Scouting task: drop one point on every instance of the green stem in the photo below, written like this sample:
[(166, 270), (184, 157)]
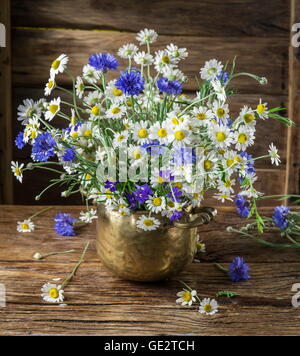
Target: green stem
[(41, 256), (221, 268), (39, 213), (73, 273)]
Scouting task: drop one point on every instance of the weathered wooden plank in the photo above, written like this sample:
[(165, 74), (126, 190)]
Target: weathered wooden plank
[(5, 106), (40, 47), (293, 145), (192, 17)]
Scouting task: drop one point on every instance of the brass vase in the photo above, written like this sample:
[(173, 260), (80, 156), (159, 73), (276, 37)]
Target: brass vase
[(138, 255)]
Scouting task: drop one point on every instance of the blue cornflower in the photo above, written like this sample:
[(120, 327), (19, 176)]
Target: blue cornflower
[(111, 185), (176, 215), (133, 204), (43, 147), (19, 141), (64, 224), (142, 193), (249, 162), (154, 148), (280, 217), (69, 155), (242, 206), (131, 83), (184, 155), (103, 61), (175, 194), (223, 77), (169, 86), (238, 270)]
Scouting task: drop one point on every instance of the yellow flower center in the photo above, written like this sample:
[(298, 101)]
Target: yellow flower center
[(207, 308), (249, 118), (108, 194), (53, 108), (18, 171), (137, 154), (117, 92), (227, 184), (187, 296), (55, 64), (50, 84), (237, 159), (88, 177), (160, 180), (33, 134), (53, 292), (261, 108), (196, 196), (242, 138), (170, 204), (178, 185), (148, 222), (212, 70), (207, 164), (166, 59), (230, 162), (121, 138), (162, 133), (129, 103), (25, 226), (220, 112), (179, 135), (221, 152), (201, 116), (175, 121), (74, 134), (87, 133), (143, 133), (115, 111), (157, 201), (81, 87), (95, 110), (220, 136)]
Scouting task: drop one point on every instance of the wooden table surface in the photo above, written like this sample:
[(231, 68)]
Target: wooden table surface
[(98, 303)]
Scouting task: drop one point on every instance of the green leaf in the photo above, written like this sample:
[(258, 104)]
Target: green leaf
[(227, 293)]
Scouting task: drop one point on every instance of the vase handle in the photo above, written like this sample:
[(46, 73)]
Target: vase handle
[(205, 215)]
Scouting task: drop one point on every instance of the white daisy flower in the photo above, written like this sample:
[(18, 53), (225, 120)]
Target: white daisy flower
[(120, 138), (52, 109), (17, 170), (186, 297), (221, 136), (221, 110), (141, 132), (128, 124), (162, 60), (147, 223), (175, 119), (136, 153), (32, 130), (88, 216), (115, 112), (196, 199), (143, 59), (201, 115), (247, 116), (210, 163), (25, 226), (273, 152), (28, 110), (211, 70), (208, 306), (156, 203), (223, 197), (159, 131), (146, 36), (52, 293), (96, 111), (90, 74), (226, 186), (59, 65), (128, 50), (79, 86), (230, 160), (180, 136), (173, 74), (49, 86), (177, 53), (262, 110), (244, 138), (113, 93), (92, 99), (219, 90)]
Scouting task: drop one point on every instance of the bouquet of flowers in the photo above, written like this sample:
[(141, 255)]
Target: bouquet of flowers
[(137, 142)]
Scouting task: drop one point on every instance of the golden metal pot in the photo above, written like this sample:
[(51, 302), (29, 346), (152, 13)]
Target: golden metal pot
[(139, 255)]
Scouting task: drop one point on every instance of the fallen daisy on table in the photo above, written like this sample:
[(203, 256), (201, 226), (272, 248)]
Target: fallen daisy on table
[(27, 225), (88, 216), (53, 293), (208, 306), (186, 297)]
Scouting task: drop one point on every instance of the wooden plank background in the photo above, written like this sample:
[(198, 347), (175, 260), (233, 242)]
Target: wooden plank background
[(256, 31)]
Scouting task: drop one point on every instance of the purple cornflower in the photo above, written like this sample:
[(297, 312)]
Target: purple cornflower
[(19, 141), (142, 193), (242, 206), (133, 205), (131, 83), (103, 61), (238, 270), (184, 155), (223, 77), (175, 194), (64, 224), (154, 148), (249, 162), (69, 155), (169, 87), (280, 217), (111, 185), (176, 215), (43, 147)]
